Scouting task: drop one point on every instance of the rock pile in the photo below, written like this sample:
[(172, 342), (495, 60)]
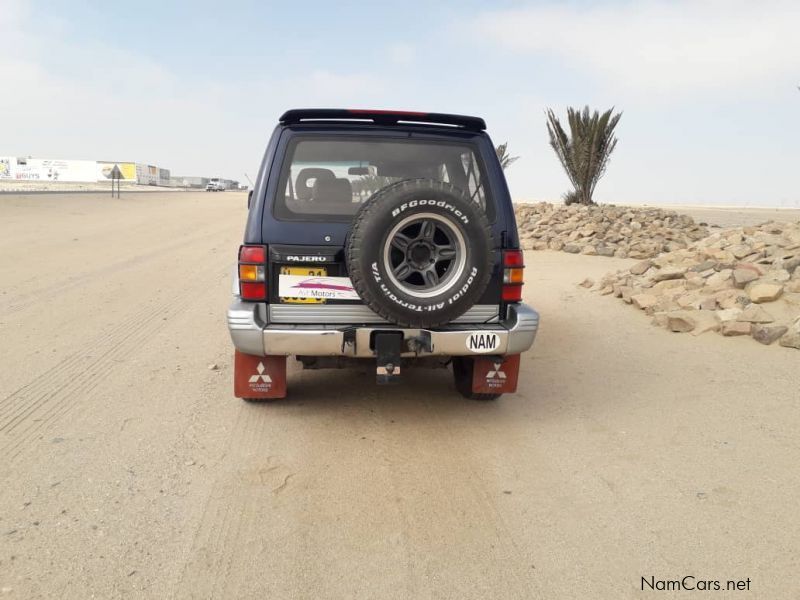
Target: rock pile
[(743, 281), (606, 230)]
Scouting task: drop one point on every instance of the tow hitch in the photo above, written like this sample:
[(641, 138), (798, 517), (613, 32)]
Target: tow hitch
[(388, 347)]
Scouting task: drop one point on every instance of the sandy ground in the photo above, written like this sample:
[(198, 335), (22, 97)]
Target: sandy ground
[(129, 470), (61, 187), (734, 217)]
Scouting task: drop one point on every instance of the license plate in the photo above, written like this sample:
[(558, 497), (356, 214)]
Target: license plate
[(304, 272)]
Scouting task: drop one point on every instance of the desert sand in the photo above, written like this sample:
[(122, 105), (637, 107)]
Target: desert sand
[(737, 217), (130, 470)]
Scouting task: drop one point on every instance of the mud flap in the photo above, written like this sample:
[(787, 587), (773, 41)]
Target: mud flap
[(495, 374), (259, 376)]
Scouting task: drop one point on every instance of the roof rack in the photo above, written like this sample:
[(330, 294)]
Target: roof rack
[(381, 117)]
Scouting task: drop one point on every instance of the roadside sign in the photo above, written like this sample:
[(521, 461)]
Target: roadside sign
[(115, 175)]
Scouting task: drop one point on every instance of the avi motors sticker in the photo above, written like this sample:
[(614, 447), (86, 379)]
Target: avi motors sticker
[(482, 342), (327, 288)]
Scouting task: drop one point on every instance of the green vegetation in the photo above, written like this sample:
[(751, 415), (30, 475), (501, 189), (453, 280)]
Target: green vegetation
[(505, 158), (585, 152)]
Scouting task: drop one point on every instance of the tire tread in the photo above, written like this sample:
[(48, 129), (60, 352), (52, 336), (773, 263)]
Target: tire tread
[(353, 247)]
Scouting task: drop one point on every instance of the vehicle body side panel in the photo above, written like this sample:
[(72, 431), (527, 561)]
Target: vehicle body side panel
[(253, 229)]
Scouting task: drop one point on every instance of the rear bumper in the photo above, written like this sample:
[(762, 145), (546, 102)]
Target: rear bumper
[(251, 335)]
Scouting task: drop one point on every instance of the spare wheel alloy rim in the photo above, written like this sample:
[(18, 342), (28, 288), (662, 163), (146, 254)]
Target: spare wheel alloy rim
[(424, 255)]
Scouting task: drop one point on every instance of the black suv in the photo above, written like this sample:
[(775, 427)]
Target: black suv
[(382, 236)]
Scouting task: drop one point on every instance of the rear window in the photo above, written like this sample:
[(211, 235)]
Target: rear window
[(331, 178)]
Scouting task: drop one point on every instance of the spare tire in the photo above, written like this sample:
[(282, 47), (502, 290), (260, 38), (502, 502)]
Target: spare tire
[(420, 253)]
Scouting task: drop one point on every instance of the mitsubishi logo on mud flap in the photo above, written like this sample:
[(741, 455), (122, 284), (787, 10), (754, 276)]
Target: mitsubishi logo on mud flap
[(496, 373), (260, 376)]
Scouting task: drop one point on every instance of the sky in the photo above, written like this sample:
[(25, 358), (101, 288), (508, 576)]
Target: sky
[(708, 88)]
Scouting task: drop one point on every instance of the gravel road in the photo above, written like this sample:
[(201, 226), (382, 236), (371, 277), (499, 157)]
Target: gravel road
[(129, 470)]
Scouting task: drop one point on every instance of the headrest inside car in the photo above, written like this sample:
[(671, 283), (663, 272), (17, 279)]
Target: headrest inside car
[(304, 191), (333, 191)]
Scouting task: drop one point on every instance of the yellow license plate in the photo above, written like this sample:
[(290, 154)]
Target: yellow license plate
[(304, 272)]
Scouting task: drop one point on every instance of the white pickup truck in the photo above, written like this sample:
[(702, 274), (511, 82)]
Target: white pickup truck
[(215, 185)]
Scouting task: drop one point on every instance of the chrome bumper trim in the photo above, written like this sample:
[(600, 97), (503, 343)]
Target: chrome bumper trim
[(246, 327), (358, 313), (252, 336), (525, 325)]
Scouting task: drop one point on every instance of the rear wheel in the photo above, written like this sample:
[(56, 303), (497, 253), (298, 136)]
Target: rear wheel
[(463, 367)]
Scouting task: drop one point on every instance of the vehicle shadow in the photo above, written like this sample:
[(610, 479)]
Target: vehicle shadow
[(421, 392)]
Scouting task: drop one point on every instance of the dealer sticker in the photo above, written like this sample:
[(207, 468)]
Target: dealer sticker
[(483, 342), (326, 288)]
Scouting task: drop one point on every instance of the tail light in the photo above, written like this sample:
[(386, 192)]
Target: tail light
[(513, 270), (253, 272)]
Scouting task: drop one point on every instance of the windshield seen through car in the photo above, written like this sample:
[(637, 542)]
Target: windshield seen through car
[(333, 177)]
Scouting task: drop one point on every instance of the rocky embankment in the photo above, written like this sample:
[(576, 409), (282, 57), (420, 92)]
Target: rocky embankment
[(742, 281), (607, 230)]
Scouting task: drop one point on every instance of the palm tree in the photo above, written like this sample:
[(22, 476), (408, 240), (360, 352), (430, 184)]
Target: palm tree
[(369, 184), (503, 156), (585, 152)]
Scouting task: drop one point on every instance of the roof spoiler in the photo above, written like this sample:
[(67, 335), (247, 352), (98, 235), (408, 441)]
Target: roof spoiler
[(381, 117)]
